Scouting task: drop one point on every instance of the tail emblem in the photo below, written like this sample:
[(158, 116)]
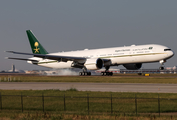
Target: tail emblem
[(36, 44)]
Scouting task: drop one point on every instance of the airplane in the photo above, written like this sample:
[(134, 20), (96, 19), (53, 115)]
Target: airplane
[(131, 57)]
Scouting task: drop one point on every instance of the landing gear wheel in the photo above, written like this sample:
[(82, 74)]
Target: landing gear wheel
[(107, 73), (89, 73), (85, 73), (111, 73), (102, 73), (80, 73), (161, 68)]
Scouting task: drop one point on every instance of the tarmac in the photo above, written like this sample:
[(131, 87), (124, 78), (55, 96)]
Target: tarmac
[(102, 87)]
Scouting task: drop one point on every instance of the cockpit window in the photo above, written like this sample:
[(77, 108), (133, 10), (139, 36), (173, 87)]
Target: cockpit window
[(167, 49), (150, 48)]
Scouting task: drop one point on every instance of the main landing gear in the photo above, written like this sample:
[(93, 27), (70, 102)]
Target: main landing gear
[(85, 73), (107, 73)]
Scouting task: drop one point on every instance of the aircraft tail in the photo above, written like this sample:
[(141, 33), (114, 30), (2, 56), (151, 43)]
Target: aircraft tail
[(36, 47)]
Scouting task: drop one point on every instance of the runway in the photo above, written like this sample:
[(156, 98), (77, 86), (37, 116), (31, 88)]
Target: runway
[(103, 87)]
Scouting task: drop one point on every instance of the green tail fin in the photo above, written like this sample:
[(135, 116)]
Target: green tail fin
[(36, 47)]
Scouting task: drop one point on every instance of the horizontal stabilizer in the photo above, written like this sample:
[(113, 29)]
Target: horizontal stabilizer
[(52, 57), (22, 59)]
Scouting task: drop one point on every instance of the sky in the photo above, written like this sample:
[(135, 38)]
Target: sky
[(67, 25)]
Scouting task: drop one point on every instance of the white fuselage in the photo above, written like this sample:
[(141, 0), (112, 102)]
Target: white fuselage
[(117, 55)]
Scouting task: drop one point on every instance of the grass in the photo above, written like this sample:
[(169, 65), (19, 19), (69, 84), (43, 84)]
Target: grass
[(76, 101), (76, 105), (118, 78), (59, 116)]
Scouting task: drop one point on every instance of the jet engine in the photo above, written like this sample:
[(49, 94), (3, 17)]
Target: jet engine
[(94, 64), (133, 66)]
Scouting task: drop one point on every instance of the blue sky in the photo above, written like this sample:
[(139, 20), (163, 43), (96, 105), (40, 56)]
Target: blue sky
[(65, 25)]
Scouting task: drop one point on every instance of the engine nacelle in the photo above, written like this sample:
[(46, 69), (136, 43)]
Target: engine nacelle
[(133, 66), (94, 64)]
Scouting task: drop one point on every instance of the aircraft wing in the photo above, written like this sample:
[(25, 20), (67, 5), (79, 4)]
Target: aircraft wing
[(52, 57)]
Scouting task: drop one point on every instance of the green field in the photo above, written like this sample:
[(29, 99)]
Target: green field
[(76, 104), (77, 101)]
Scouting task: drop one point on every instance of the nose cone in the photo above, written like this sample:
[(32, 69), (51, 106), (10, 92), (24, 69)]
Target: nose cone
[(171, 54)]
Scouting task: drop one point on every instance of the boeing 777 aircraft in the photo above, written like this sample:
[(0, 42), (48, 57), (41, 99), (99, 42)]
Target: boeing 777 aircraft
[(131, 57)]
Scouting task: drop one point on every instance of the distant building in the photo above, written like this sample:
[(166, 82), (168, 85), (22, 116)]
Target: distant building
[(110, 70), (171, 68), (13, 70)]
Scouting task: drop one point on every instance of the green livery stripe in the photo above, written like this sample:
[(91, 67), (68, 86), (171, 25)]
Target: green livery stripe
[(132, 55), (108, 57), (47, 62)]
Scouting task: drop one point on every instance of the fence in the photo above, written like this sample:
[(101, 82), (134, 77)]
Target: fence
[(88, 105)]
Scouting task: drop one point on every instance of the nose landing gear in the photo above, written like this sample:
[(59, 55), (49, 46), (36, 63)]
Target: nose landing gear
[(162, 64)]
